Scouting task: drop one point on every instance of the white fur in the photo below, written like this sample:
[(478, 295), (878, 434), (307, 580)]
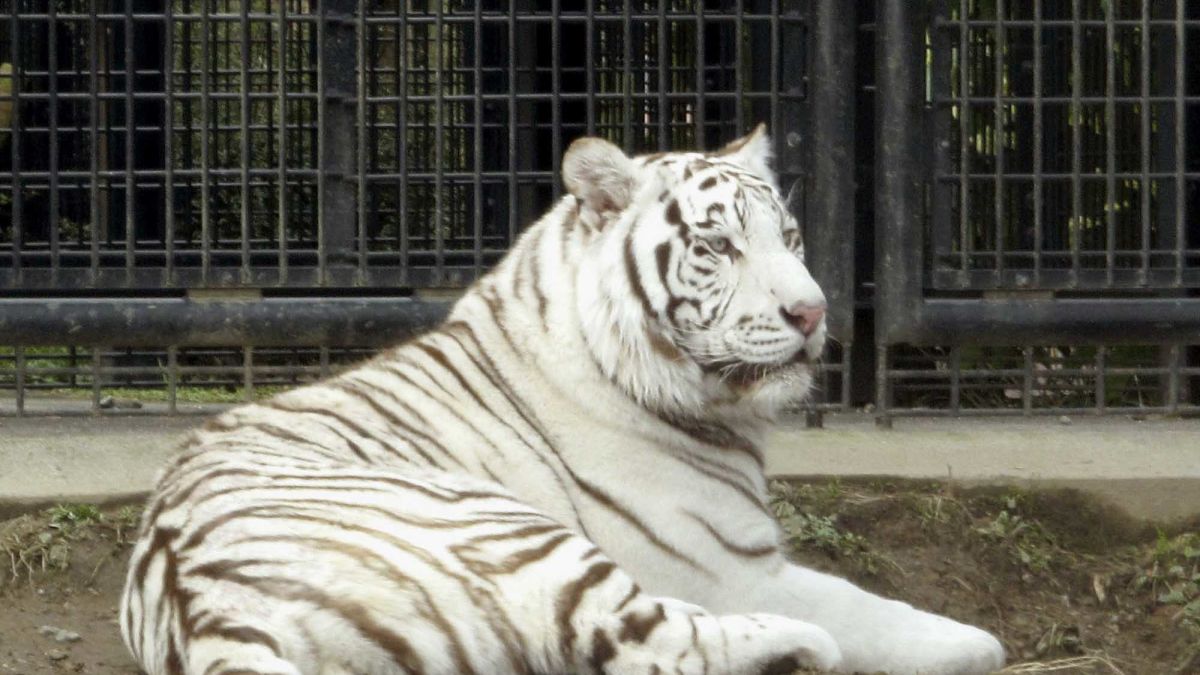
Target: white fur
[(582, 400)]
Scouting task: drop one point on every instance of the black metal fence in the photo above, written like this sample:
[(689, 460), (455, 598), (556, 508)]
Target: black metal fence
[(219, 197)]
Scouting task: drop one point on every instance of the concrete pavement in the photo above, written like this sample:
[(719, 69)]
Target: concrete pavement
[(1150, 468)]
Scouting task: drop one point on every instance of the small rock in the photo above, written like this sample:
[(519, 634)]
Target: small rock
[(1064, 420), (56, 655), (60, 634), (869, 408), (105, 402)]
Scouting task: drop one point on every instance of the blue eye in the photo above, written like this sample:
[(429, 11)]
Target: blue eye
[(720, 245)]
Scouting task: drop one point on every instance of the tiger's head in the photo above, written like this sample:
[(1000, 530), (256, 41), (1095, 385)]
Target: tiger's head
[(693, 292)]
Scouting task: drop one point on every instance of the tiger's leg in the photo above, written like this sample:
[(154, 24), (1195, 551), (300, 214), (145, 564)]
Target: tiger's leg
[(597, 620), (873, 632), (378, 572)]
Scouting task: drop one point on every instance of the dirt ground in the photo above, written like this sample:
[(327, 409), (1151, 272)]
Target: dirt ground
[(1068, 585)]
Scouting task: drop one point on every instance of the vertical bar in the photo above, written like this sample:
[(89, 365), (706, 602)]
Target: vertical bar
[(439, 147), (1075, 231), (883, 386), (402, 139), (281, 158), (964, 141), (94, 155), (168, 132), (1101, 385), (96, 379), (739, 102), (361, 120), (19, 362), (323, 357), (52, 120), (172, 379), (774, 65), (130, 132), (998, 139), (18, 233), (899, 173), (847, 369), (477, 150), (336, 82), (205, 117), (1027, 378), (944, 59), (1174, 384), (1110, 144), (513, 181), (956, 378), (1039, 183), (244, 135), (247, 373), (627, 81), (556, 149), (664, 141), (829, 213), (701, 67), (589, 66), (1145, 110), (1180, 149)]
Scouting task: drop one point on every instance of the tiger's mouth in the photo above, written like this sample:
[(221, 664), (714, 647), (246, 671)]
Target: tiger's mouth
[(744, 376)]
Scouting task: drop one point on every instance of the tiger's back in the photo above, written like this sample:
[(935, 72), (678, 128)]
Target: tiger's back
[(482, 498)]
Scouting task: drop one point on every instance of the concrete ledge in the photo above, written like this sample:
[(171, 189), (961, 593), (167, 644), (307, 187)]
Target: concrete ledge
[(1151, 469)]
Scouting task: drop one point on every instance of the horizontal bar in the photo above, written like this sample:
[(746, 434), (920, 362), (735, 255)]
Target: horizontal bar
[(413, 18), (942, 22), (294, 322), (900, 411), (1157, 276), (1033, 321), (989, 101)]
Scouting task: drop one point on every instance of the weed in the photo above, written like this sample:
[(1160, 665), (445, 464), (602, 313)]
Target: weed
[(1171, 574), (1027, 543), (805, 529), (69, 516)]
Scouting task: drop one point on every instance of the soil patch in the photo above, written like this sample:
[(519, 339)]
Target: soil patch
[(1069, 585)]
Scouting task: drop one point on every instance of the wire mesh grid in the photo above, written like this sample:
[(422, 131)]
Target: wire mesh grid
[(1043, 380), (200, 143), (1065, 135), (90, 380), (66, 380)]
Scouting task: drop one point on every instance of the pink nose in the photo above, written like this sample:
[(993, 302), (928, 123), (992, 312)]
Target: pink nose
[(805, 317)]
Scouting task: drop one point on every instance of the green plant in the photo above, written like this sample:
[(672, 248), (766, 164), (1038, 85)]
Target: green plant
[(1026, 542), (67, 516)]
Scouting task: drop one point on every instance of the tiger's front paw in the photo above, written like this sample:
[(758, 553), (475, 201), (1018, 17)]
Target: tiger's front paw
[(781, 646), (938, 646)]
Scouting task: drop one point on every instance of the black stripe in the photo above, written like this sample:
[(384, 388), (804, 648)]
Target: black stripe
[(604, 499), (635, 277), (736, 549)]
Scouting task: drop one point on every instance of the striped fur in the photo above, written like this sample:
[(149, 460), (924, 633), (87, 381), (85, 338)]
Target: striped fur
[(482, 498)]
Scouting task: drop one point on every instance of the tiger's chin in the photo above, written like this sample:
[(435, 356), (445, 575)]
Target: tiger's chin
[(766, 391)]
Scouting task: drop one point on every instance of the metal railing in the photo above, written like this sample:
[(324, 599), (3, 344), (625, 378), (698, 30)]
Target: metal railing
[(286, 173), (1001, 199), (1035, 187)]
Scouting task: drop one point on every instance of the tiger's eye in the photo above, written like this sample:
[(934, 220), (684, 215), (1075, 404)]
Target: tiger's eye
[(720, 245)]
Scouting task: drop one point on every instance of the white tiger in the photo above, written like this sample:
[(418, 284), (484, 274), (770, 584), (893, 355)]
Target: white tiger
[(483, 498)]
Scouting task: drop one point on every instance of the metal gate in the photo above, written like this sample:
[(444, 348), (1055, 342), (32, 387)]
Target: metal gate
[(1038, 206), (1001, 198), (231, 193)]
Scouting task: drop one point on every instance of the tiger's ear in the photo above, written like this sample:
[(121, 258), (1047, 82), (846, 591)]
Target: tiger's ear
[(751, 152), (599, 174)]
